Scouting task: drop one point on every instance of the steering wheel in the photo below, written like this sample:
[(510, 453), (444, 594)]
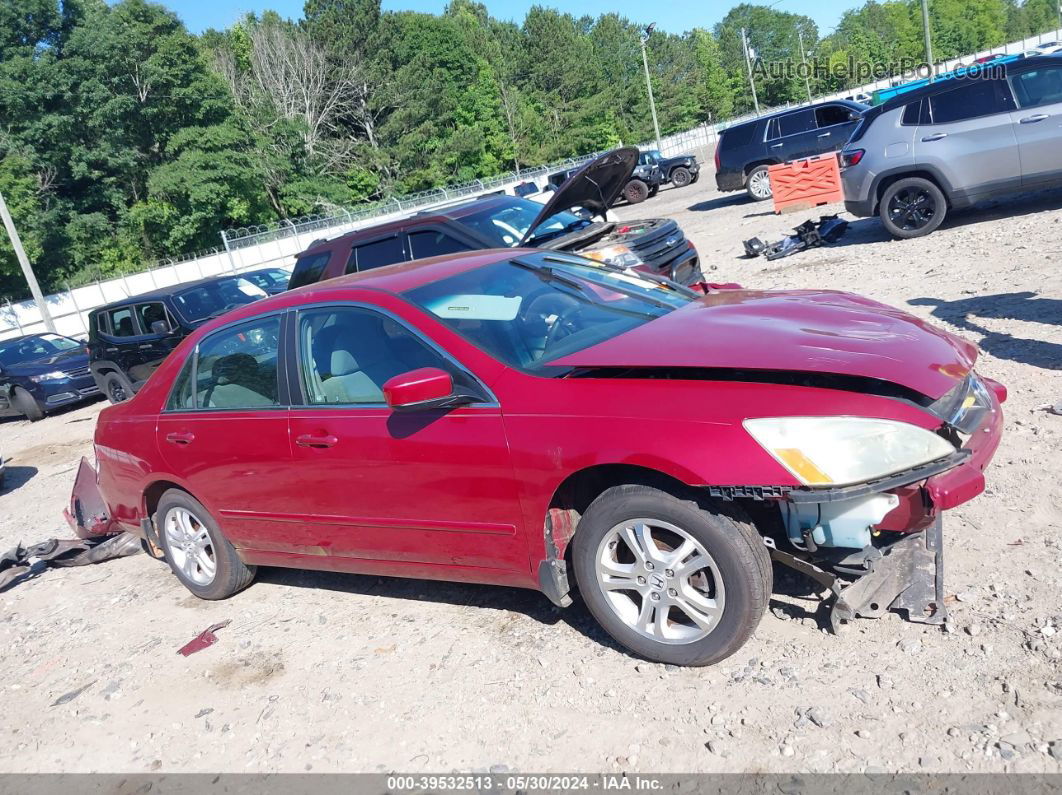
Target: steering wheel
[(562, 327), (562, 307)]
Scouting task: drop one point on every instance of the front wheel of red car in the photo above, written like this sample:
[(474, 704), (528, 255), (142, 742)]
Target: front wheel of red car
[(203, 560), (668, 579)]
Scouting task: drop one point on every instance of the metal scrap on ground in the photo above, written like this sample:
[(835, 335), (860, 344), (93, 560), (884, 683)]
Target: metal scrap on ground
[(809, 234), (17, 562), (204, 639)]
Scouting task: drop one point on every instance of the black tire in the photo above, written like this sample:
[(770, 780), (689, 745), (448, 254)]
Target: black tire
[(116, 388), (754, 183), (27, 405), (681, 177), (231, 575), (736, 548), (636, 191), (696, 177), (912, 207), (654, 190)]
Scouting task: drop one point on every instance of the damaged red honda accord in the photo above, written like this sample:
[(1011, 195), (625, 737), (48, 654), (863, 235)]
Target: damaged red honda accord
[(528, 418)]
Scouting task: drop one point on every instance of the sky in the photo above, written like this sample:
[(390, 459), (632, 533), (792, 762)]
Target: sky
[(676, 16)]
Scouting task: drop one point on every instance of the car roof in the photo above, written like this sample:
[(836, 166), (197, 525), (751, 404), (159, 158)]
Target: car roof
[(768, 116), (949, 82), (163, 292), (451, 212)]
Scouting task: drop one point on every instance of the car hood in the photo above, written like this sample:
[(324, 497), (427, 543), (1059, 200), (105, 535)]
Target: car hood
[(793, 331), (65, 360), (594, 187)]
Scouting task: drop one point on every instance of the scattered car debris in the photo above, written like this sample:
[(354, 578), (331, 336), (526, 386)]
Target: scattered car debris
[(809, 234), (18, 561), (204, 639), (1052, 408)]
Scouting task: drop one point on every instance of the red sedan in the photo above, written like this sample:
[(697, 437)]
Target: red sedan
[(527, 418)]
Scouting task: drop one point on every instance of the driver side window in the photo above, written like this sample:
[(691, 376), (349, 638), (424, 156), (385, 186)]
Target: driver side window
[(346, 354)]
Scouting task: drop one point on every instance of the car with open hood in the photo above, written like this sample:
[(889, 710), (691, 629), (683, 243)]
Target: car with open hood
[(528, 418), (43, 372), (656, 245)]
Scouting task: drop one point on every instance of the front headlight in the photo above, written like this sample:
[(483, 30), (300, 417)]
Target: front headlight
[(964, 408), (54, 375), (840, 451), (620, 256)]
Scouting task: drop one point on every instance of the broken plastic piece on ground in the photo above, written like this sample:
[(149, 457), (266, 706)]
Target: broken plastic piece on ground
[(16, 562), (87, 514), (204, 639), (809, 234)]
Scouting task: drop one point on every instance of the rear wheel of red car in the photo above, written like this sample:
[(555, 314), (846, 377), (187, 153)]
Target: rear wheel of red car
[(24, 402), (636, 191), (203, 560), (680, 177), (669, 579)]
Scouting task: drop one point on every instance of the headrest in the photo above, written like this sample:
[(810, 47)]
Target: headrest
[(227, 368), (343, 363)]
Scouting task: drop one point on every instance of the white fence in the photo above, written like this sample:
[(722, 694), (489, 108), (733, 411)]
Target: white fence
[(275, 245)]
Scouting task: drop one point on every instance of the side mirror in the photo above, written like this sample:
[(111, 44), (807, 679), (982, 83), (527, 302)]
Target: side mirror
[(424, 389), (160, 327), (854, 115)]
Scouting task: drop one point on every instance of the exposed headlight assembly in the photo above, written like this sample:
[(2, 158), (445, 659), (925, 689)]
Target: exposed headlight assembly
[(840, 451), (54, 375), (620, 256), (964, 408)]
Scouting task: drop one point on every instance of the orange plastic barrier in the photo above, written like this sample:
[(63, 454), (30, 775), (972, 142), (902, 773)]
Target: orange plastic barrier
[(803, 184)]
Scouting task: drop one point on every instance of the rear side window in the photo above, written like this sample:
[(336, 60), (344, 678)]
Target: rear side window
[(376, 254), (122, 323), (1040, 87), (150, 314), (794, 124), (912, 114), (738, 136), (429, 243), (969, 101), (237, 368), (308, 270), (182, 398)]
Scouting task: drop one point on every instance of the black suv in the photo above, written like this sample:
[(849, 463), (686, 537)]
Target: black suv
[(746, 150), (680, 170), (129, 339), (643, 183), (41, 372), (656, 246)]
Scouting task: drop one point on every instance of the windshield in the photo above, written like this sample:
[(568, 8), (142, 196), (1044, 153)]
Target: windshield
[(535, 309), (268, 280), (652, 156), (30, 349), (505, 224), (213, 298)]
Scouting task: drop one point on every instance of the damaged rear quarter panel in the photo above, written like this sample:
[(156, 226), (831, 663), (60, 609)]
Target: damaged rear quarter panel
[(688, 430)]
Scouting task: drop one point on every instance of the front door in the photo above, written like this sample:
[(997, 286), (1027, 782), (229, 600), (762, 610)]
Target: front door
[(433, 487), (1038, 124), (224, 433)]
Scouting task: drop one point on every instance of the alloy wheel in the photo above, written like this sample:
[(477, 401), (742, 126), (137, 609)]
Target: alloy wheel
[(116, 391), (912, 208), (760, 184), (660, 581), (190, 546)]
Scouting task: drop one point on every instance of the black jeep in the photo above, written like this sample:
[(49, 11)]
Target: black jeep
[(680, 170), (129, 339)]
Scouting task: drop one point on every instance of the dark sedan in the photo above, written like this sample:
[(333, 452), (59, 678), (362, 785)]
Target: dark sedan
[(41, 372)]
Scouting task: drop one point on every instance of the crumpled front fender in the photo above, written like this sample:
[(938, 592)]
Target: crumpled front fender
[(87, 515)]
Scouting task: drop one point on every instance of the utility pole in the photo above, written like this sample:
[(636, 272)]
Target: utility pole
[(929, 43), (804, 62), (27, 269), (649, 83), (748, 64)]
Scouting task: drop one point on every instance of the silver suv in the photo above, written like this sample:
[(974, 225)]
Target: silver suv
[(955, 142)]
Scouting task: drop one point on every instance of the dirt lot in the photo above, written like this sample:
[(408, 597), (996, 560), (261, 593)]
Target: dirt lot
[(341, 673)]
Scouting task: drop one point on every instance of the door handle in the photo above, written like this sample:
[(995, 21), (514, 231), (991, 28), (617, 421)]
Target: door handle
[(775, 146), (181, 437), (934, 137), (1034, 118), (312, 440), (144, 346)]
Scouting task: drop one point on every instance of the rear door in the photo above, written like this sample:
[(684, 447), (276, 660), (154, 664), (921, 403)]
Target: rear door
[(1038, 123), (224, 433), (793, 135), (970, 138), (153, 345)]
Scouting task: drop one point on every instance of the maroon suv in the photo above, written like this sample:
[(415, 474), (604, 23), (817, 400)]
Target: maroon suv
[(565, 223)]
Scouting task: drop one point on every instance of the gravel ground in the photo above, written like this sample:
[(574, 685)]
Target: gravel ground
[(325, 672)]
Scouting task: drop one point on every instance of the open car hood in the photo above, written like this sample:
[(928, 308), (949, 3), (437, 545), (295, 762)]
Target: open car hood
[(594, 187), (792, 331)]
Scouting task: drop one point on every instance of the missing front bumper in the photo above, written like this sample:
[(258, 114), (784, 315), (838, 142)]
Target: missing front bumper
[(908, 577)]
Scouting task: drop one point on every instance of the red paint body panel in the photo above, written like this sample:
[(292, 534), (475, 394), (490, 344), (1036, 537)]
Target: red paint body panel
[(463, 494), (418, 386), (825, 332)]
